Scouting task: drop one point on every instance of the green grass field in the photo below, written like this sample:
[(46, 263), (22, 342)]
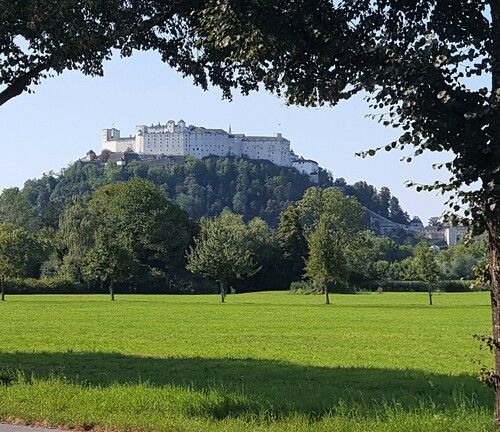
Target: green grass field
[(259, 362)]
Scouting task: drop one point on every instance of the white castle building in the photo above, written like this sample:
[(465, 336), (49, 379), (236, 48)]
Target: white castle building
[(178, 139)]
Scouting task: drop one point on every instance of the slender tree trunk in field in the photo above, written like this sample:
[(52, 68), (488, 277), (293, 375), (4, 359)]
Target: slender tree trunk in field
[(493, 214), (2, 290), (112, 290), (222, 291), (327, 297), (494, 268), (430, 295)]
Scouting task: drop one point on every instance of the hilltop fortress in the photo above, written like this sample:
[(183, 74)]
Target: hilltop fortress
[(177, 139)]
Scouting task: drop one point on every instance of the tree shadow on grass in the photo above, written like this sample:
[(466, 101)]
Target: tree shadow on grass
[(274, 387)]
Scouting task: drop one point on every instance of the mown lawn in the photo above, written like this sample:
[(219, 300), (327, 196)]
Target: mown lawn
[(263, 361)]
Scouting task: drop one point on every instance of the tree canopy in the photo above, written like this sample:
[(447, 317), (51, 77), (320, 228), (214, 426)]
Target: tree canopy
[(327, 263), (128, 232), (203, 188), (44, 37), (425, 267), (21, 254), (222, 251)]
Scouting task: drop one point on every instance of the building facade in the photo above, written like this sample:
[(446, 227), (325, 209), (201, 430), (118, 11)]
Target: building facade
[(178, 139)]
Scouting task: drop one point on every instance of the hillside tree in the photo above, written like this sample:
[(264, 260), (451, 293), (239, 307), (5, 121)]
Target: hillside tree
[(345, 211), (16, 209)]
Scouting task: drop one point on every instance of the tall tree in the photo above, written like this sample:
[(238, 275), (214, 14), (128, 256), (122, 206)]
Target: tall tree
[(222, 252), (327, 263), (110, 259), (425, 267), (345, 211), (384, 197), (396, 213), (141, 223), (293, 244), (366, 194), (341, 219)]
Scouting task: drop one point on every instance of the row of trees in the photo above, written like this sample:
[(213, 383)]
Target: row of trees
[(128, 233), (316, 239), (321, 239), (131, 235)]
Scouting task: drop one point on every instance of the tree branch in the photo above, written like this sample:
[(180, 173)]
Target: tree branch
[(20, 84)]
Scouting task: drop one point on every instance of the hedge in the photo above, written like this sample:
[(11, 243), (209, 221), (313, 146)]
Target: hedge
[(65, 285), (52, 285), (419, 286)]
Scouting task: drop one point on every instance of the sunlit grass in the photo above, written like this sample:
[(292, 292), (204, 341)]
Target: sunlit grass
[(264, 361)]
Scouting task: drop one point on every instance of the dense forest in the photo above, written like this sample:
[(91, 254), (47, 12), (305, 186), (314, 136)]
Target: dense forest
[(204, 188)]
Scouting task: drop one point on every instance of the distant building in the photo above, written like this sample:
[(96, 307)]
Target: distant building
[(453, 234), (416, 226), (445, 235), (306, 166), (177, 139), (122, 158), (386, 227), (90, 159)]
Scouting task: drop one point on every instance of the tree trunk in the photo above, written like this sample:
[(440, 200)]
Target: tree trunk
[(430, 296), (112, 290), (2, 291), (494, 270), (327, 297), (222, 291), (492, 215)]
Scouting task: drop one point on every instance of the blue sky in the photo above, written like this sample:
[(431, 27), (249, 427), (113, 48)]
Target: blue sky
[(56, 125)]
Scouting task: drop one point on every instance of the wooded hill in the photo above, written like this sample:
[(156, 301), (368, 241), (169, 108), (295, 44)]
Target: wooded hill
[(204, 188)]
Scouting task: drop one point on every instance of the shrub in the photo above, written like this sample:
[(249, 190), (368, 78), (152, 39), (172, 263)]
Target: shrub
[(305, 287), (48, 285), (311, 287)]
